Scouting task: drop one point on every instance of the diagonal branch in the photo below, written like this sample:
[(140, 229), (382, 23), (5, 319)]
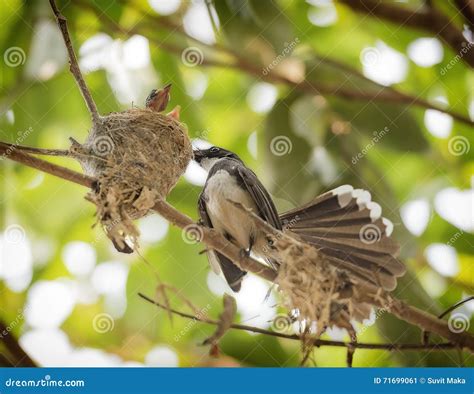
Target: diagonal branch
[(427, 18), (216, 241), (73, 65)]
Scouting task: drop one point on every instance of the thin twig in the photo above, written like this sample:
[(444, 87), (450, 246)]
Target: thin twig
[(45, 166), (37, 151), (316, 342), (73, 65)]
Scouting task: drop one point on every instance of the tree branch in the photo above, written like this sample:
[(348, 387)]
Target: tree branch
[(217, 242), (383, 94), (427, 18), (73, 65), (21, 359), (317, 342)]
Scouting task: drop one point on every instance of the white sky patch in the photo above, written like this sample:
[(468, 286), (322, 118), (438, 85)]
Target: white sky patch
[(127, 64), (197, 24), (416, 215), (110, 277), (200, 143), (434, 284), (384, 64), (196, 83), (438, 123), (162, 356), (48, 347), (47, 54), (262, 97), (165, 7), (16, 260), (323, 15), (136, 53), (426, 52), (443, 259), (49, 303), (94, 51), (456, 207), (79, 258), (252, 144), (255, 310), (195, 174), (152, 228), (89, 357)]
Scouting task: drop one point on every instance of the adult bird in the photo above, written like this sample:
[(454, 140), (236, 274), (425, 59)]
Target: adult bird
[(228, 181), (343, 223)]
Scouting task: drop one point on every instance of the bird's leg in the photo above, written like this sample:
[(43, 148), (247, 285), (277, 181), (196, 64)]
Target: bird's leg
[(246, 252)]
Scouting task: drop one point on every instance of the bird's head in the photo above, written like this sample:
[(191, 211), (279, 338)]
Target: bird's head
[(157, 100), (206, 158)]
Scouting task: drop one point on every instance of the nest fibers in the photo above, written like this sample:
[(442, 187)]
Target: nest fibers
[(321, 294), (137, 156)]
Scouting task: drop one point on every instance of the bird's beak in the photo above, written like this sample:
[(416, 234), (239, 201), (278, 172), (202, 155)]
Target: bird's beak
[(198, 155), (161, 99)]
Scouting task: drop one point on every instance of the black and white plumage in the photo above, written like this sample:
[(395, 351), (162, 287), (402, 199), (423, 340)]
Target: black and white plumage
[(343, 223), (229, 180)]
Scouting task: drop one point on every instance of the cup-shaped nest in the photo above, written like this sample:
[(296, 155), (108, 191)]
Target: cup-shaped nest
[(137, 157)]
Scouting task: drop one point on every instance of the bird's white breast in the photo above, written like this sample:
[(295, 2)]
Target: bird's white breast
[(221, 188)]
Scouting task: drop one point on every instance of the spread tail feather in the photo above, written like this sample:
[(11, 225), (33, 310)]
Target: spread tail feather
[(348, 228)]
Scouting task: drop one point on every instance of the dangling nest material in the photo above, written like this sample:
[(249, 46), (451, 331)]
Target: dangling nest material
[(321, 294), (137, 156)]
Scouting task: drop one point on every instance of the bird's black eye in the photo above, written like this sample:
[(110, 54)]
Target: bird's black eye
[(214, 149)]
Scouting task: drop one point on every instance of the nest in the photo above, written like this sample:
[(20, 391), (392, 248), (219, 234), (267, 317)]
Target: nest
[(320, 294), (137, 157)]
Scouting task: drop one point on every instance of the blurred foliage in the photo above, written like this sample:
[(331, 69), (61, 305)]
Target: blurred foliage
[(326, 133)]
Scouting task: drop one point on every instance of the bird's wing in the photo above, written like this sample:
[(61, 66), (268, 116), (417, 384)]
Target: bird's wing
[(233, 274), (262, 199)]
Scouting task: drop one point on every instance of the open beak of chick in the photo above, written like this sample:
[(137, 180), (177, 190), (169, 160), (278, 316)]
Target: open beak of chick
[(158, 100)]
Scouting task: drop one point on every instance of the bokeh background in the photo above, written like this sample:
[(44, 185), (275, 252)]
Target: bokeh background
[(298, 89)]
